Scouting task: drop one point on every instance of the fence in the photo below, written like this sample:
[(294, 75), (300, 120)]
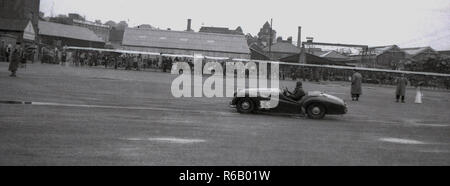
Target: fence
[(128, 60)]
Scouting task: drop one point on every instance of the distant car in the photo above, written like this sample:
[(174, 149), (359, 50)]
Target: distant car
[(314, 105)]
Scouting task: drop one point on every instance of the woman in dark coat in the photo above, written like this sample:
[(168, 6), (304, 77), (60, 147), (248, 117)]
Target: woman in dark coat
[(356, 89), (15, 61)]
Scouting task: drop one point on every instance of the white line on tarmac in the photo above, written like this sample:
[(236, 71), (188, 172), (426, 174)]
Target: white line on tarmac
[(168, 140), (130, 108), (431, 125), (402, 141)]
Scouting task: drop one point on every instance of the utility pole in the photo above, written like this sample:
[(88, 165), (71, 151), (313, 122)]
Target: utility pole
[(270, 39), (51, 11)]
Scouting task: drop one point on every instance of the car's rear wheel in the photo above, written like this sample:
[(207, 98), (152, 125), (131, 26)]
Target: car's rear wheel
[(245, 106), (316, 111)]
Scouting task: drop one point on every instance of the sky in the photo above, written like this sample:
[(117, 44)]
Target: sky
[(406, 23)]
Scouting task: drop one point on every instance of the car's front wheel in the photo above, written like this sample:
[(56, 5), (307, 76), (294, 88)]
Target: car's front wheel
[(245, 106), (316, 111)]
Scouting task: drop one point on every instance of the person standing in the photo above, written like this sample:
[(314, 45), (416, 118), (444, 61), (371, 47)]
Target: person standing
[(23, 58), (2, 51), (356, 89), (8, 51), (402, 82), (15, 60), (63, 58)]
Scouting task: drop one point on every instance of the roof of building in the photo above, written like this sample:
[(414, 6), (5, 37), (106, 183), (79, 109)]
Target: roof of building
[(313, 59), (333, 54), (67, 31), (13, 24), (186, 40), (417, 50), (84, 22), (444, 52), (255, 49), (219, 30), (283, 47), (381, 49)]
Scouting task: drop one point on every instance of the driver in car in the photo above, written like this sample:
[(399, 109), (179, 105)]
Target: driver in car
[(298, 92)]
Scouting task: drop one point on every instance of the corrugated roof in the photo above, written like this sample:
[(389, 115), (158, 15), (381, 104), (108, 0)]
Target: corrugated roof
[(333, 54), (444, 52), (312, 59), (219, 30), (416, 50), (186, 40), (283, 47), (67, 31), (381, 49)]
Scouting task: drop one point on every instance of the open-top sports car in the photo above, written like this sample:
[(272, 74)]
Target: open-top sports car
[(315, 104)]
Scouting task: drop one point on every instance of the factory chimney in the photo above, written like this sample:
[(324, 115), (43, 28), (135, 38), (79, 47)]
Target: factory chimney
[(189, 25), (299, 37)]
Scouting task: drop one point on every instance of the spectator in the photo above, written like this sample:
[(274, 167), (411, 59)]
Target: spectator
[(8, 52), (356, 89), (23, 58), (2, 51), (402, 82), (63, 58), (15, 60)]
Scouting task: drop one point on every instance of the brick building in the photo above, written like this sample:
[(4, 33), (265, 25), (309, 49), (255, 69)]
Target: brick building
[(19, 21), (264, 34)]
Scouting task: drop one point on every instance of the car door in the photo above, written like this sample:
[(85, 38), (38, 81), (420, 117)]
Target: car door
[(287, 105)]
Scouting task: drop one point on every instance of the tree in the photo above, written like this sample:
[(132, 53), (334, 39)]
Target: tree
[(111, 23), (62, 19), (122, 25)]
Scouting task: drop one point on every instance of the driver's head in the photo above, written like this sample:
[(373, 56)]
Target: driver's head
[(299, 84)]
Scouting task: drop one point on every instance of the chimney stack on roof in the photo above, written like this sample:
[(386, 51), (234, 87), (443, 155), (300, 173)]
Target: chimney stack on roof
[(289, 39), (299, 37), (189, 25)]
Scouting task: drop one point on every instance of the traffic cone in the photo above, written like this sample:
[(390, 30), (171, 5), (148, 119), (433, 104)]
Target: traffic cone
[(418, 96)]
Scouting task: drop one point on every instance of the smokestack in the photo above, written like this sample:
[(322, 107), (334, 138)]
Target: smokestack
[(189, 25), (299, 37)]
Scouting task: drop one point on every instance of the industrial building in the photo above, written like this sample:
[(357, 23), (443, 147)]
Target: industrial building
[(60, 35), (186, 42), (420, 53), (281, 49)]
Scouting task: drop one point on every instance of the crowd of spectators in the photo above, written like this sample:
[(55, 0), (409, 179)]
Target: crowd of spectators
[(163, 63)]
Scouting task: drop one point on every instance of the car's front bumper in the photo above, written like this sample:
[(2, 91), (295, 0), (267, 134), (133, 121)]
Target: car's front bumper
[(232, 105)]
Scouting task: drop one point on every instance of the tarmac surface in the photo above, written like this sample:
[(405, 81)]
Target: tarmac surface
[(95, 116)]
